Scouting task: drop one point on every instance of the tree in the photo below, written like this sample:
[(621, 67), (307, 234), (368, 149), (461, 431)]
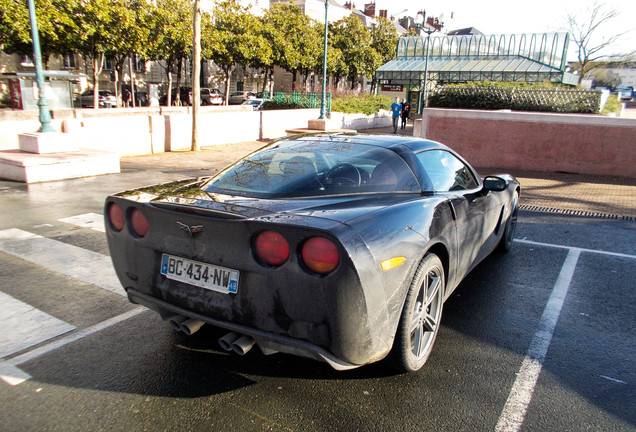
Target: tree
[(353, 38), (170, 37), (239, 38), (384, 39), (294, 39), (131, 34), (57, 31), (590, 34), (606, 78), (98, 24)]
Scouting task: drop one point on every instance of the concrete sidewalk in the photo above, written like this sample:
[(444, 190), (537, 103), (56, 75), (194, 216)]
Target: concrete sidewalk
[(576, 194)]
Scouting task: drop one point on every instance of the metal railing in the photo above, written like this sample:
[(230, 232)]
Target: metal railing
[(301, 100)]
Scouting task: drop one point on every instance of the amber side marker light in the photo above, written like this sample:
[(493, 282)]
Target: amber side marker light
[(392, 263), (320, 255), (116, 217)]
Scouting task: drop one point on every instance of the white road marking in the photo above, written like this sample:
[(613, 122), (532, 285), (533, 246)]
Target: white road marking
[(23, 326), (514, 412), (73, 261), (93, 221), (13, 376), (613, 379), (594, 251)]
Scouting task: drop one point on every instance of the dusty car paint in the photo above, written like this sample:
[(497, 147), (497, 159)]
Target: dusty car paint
[(347, 318)]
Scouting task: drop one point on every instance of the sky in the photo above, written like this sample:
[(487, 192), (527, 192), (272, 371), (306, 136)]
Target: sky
[(505, 17)]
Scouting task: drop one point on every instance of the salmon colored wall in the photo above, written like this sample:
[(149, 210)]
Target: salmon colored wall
[(536, 142)]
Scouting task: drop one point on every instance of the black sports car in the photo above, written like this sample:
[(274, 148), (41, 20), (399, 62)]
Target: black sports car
[(340, 248)]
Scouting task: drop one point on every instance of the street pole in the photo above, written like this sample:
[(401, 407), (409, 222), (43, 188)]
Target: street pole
[(424, 96), (323, 106), (45, 116), (196, 75)]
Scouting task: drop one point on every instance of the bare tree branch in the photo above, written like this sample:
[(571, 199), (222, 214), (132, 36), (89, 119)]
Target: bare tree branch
[(590, 34)]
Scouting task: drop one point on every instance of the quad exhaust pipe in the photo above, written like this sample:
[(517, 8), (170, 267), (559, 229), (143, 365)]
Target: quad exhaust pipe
[(232, 341), (240, 344), (187, 325)]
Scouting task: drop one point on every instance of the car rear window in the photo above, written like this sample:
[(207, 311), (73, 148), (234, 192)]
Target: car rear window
[(309, 167)]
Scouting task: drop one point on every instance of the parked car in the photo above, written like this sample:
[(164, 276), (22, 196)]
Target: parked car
[(106, 99), (238, 97), (626, 93), (185, 95), (211, 97), (340, 248), (255, 103)]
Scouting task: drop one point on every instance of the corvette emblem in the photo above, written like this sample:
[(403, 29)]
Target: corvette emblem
[(190, 229)]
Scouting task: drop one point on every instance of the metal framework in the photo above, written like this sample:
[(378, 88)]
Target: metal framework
[(517, 57)]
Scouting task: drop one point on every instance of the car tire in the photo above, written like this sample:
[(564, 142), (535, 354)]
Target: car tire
[(421, 316), (505, 244)]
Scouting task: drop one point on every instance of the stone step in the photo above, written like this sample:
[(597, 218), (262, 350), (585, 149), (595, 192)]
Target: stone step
[(33, 168)]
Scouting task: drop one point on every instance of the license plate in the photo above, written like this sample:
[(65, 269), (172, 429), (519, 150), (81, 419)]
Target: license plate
[(208, 276)]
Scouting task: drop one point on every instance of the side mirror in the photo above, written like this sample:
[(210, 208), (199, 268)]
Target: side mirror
[(495, 184)]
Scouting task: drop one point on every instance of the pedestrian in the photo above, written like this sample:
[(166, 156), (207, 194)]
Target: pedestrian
[(406, 109), (125, 96), (396, 109)]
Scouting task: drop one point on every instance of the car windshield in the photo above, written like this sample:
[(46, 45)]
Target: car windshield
[(308, 167)]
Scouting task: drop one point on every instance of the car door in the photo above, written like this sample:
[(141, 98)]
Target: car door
[(469, 201)]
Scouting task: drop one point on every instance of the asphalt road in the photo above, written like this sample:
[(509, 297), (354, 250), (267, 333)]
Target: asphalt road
[(539, 339)]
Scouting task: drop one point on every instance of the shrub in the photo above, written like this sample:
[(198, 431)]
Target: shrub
[(545, 97), (613, 105), (280, 105), (366, 104)]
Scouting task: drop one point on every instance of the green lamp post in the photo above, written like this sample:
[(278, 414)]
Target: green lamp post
[(45, 116), (419, 20), (323, 106)]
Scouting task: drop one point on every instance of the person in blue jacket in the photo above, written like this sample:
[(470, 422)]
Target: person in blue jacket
[(396, 110)]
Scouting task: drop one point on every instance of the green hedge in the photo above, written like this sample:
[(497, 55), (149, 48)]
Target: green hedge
[(367, 104), (516, 96)]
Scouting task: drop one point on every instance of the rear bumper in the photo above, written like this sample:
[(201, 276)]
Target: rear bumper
[(269, 343)]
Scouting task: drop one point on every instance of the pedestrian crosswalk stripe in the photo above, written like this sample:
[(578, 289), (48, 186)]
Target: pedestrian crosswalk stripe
[(12, 375), (93, 221), (82, 264), (23, 326)]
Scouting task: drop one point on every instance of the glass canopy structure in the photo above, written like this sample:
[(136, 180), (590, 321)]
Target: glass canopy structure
[(460, 58)]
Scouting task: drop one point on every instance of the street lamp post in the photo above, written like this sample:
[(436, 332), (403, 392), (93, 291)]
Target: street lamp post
[(420, 24), (323, 106), (428, 45), (45, 116)]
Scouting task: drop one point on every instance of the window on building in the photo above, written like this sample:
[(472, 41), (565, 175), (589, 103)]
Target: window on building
[(69, 61), (239, 86), (26, 61), (108, 64), (140, 64)]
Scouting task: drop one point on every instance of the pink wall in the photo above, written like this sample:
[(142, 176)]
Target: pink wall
[(536, 142)]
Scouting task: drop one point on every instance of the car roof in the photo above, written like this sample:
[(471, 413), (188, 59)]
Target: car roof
[(387, 141)]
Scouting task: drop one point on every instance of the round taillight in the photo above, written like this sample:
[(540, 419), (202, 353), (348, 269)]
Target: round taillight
[(139, 223), (116, 217), (271, 248), (320, 255)]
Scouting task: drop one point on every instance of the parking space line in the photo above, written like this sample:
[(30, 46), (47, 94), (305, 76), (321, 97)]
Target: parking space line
[(516, 407), (594, 251)]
